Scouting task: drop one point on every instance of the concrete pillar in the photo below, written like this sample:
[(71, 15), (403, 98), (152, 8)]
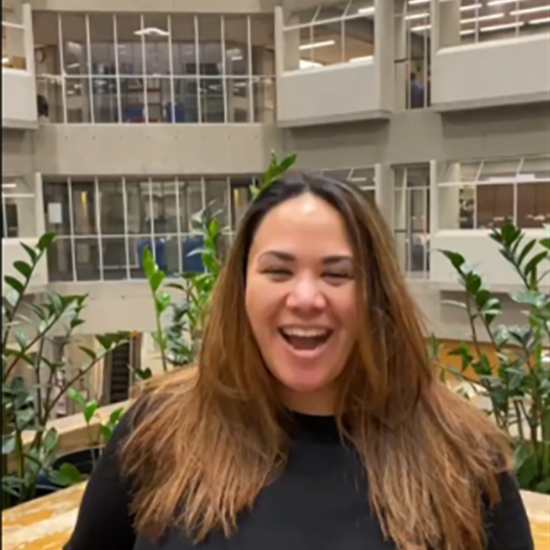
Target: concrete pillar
[(383, 178), (400, 217), (28, 38), (401, 78), (445, 24), (384, 54), (445, 200)]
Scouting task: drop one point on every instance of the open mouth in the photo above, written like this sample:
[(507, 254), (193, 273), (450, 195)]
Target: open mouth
[(305, 339)]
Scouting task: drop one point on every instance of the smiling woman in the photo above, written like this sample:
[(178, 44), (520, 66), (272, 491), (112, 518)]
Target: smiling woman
[(313, 420)]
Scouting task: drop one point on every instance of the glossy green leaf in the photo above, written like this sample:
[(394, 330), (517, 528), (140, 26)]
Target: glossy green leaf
[(8, 444), (163, 301), (156, 279), (45, 241), (24, 268), (456, 259), (51, 441), (66, 476), (15, 284), (89, 411), (76, 396), (526, 251), (32, 253)]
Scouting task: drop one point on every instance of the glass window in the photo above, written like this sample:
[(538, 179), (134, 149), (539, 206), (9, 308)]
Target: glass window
[(114, 258), (132, 99), (136, 248), (184, 49), (535, 168), (236, 45), (46, 38), (499, 171), (60, 260), (165, 216), (495, 205), (358, 42), (212, 100), (263, 90), (105, 100), (187, 101), (138, 205), (210, 45), (363, 177), (191, 203), (240, 199), (102, 44), (18, 202), (157, 40), (84, 207), (263, 45), (533, 208), (159, 104), (78, 101), (75, 44), (130, 53), (56, 207), (457, 207), (217, 198), (87, 259), (238, 100), (49, 92), (111, 207)]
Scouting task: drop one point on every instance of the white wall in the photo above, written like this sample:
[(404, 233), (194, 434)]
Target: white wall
[(483, 253), (12, 251), (497, 72), (329, 94), (18, 99)]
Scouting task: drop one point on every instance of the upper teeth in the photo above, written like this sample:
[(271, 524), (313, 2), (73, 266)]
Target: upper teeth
[(305, 332)]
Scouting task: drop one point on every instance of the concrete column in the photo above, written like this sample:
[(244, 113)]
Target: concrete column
[(401, 77), (445, 24), (40, 226), (400, 215), (384, 53), (445, 200), (383, 177), (28, 38)]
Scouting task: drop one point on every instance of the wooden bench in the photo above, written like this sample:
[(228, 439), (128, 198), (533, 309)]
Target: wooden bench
[(46, 523)]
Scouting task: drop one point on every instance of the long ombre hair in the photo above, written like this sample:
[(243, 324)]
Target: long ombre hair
[(206, 441)]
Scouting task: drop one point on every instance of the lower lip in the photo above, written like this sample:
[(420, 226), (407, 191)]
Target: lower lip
[(306, 353)]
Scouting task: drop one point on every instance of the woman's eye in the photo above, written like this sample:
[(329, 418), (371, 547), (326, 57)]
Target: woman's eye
[(278, 273), (339, 276)]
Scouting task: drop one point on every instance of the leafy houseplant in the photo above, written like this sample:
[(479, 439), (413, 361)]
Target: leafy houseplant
[(28, 327), (517, 383), (179, 343)]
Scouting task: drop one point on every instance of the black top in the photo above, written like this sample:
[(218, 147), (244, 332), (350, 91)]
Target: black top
[(318, 503)]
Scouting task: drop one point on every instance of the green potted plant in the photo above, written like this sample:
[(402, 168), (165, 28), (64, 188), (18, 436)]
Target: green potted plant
[(517, 384)]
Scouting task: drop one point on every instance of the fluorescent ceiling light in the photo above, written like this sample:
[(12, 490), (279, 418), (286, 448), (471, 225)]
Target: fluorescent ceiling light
[(365, 11), (362, 58), (358, 179), (502, 2), (421, 28), (322, 44), (539, 21), (151, 31), (502, 27), (9, 185), (467, 31), (237, 58), (306, 64), (471, 7), (417, 15), (418, 2), (73, 66), (530, 10), (5, 60), (482, 18)]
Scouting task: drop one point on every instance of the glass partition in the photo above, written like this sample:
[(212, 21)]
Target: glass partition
[(136, 68), (18, 212), (13, 40), (330, 35), (488, 194)]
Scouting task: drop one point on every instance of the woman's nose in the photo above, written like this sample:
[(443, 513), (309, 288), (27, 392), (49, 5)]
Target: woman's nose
[(306, 296)]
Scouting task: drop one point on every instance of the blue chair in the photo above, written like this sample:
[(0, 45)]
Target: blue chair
[(192, 264)]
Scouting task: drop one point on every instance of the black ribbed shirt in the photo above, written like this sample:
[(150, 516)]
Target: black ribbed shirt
[(320, 502)]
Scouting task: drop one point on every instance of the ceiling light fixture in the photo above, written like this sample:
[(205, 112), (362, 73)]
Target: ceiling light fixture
[(502, 27), (366, 11), (502, 2), (421, 28), (314, 45), (418, 2), (417, 16), (482, 18), (530, 10), (540, 21), (5, 60), (152, 31), (306, 64), (9, 185), (471, 7)]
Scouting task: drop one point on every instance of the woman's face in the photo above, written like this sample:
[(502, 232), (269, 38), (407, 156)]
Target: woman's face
[(301, 300)]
